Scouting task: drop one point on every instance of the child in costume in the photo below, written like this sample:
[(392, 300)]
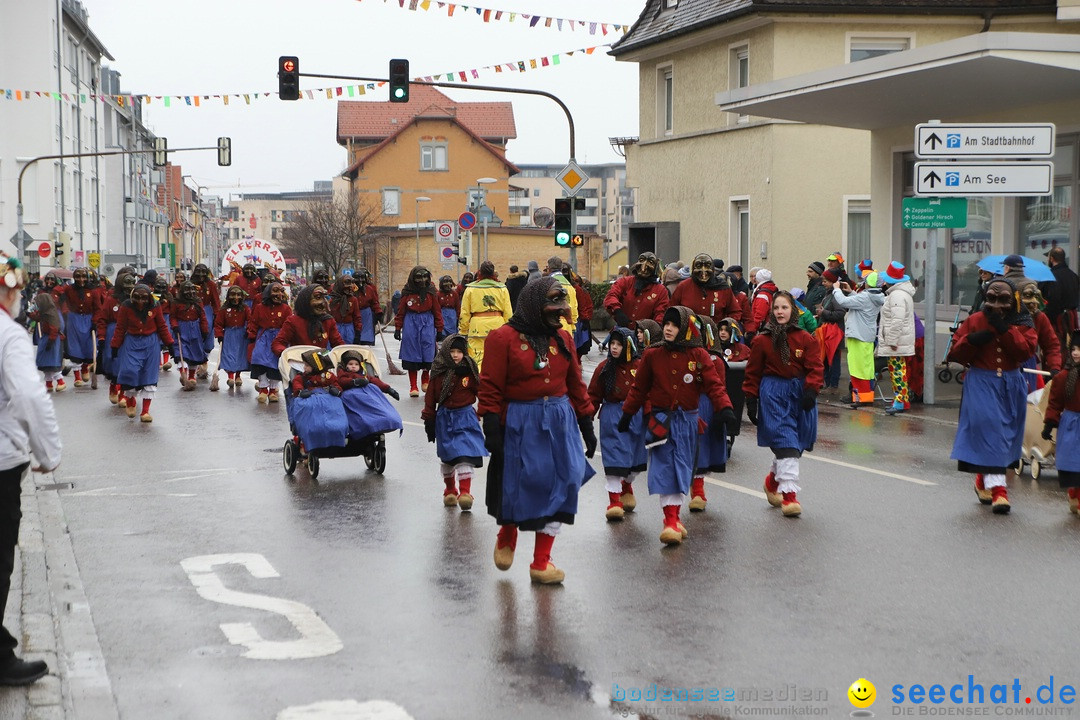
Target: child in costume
[(451, 421), (345, 309), (136, 347), (188, 318), (712, 452), (624, 453), (80, 302), (672, 376), (993, 343), (163, 298), (316, 410), (368, 411), (267, 318), (735, 354), (419, 321), (105, 322), (368, 301), (50, 342), (783, 378), (448, 303), (648, 333), (310, 323), (230, 328), (1063, 413)]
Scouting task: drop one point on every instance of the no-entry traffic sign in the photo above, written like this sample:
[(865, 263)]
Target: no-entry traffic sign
[(44, 249)]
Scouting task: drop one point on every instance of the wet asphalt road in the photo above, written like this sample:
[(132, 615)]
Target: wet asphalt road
[(898, 576)]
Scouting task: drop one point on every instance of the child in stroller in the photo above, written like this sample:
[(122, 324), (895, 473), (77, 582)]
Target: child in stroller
[(315, 408)]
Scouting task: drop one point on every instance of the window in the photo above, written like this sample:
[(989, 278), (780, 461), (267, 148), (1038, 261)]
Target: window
[(391, 201), (665, 100), (858, 230), (671, 4), (740, 231), (864, 47), (739, 72), (536, 192), (433, 157)]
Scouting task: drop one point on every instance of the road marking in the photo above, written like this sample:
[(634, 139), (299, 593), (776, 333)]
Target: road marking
[(317, 639), (151, 473), (736, 488), (853, 466), (410, 422), (106, 492), (346, 710)]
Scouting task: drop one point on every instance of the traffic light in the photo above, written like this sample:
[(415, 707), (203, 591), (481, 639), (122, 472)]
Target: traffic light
[(224, 151), (60, 248), (563, 219), (577, 241), (455, 245), (399, 80), (161, 156), (288, 77)]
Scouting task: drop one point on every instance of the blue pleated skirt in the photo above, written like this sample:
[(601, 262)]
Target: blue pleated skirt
[(108, 366), (80, 342), (671, 465), (348, 333), (234, 350), (190, 338), (782, 423), (581, 333), (449, 321), (992, 415), (369, 412), (623, 453), (319, 420), (262, 354), (367, 331), (208, 343), (544, 462), (711, 453), (458, 437), (1067, 453), (418, 338), (50, 357), (138, 361)]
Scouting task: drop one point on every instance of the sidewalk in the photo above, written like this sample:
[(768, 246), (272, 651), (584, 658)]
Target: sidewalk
[(946, 407)]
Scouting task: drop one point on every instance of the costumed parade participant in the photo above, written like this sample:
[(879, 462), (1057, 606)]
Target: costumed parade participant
[(736, 354), (485, 306), (315, 409), (1063, 413), (368, 297), (712, 450), (783, 378), (623, 452), (230, 329), (267, 318), (535, 411), (366, 408), (191, 328), (136, 349), (163, 298), (583, 338), (448, 303), (707, 292), (1048, 356), (993, 343), (105, 322), (322, 279), (81, 303), (672, 425), (345, 309), (250, 282), (451, 422), (648, 333), (896, 331), (310, 323), (638, 296), (50, 341), (419, 322), (210, 299)]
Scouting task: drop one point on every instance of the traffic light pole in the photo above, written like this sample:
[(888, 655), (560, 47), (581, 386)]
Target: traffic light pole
[(20, 234), (573, 234)]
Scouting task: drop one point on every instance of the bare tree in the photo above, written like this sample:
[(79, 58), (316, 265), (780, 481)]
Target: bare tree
[(331, 233)]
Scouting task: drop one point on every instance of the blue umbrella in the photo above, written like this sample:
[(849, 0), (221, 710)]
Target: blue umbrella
[(1033, 269)]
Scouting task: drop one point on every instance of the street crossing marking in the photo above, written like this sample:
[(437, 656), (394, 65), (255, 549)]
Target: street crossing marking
[(736, 488), (852, 466), (346, 710)]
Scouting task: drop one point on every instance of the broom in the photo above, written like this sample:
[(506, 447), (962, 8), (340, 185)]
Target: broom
[(390, 365), (94, 368)]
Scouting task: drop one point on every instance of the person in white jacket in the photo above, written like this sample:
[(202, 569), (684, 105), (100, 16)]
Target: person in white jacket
[(896, 331), (860, 331), (27, 423)]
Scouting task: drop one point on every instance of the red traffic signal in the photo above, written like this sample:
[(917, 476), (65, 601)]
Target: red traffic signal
[(289, 77)]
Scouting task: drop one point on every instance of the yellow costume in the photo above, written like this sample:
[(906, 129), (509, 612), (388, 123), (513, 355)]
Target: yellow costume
[(485, 306), (571, 297)]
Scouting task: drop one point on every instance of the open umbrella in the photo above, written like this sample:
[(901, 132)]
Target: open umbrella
[(1032, 267)]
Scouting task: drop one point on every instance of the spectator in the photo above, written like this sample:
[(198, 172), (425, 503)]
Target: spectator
[(515, 283), (1014, 270), (830, 331), (761, 304), (1061, 296), (534, 270), (815, 290), (860, 329), (29, 425), (980, 294), (835, 262), (671, 278), (896, 332)]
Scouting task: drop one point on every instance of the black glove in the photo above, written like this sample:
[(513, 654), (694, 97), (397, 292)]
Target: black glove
[(751, 409), (397, 334), (429, 428), (587, 434), (998, 322), (621, 318), (809, 398), (305, 393), (718, 426), (980, 337), (101, 349), (392, 393), (359, 382), (439, 337), (727, 415), (335, 390), (493, 433), (1048, 427), (624, 422)]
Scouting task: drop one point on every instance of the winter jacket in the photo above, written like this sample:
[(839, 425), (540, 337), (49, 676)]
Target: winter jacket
[(897, 327), (815, 294), (515, 283), (27, 419), (860, 323)]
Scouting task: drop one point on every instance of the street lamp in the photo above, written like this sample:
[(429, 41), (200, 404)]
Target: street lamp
[(483, 203), (418, 201)]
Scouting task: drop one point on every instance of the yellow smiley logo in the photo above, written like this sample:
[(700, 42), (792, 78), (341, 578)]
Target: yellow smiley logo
[(862, 693)]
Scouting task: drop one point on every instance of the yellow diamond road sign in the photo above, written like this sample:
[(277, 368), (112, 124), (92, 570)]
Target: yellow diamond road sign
[(572, 178)]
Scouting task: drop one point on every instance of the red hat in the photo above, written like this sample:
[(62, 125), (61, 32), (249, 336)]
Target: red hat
[(831, 275)]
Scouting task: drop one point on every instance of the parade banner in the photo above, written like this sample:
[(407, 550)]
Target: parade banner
[(260, 253)]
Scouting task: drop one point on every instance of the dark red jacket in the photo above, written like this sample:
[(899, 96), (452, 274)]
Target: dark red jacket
[(413, 303), (716, 304), (229, 317), (765, 360), (187, 312), (84, 303), (463, 394), (1059, 403), (368, 297), (129, 323), (252, 287), (210, 294), (294, 331), (584, 303), (267, 317), (649, 304), (624, 379), (671, 378), (1004, 352), (345, 378), (312, 380), (345, 310)]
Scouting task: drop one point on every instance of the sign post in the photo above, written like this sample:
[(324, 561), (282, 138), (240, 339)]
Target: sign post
[(572, 178)]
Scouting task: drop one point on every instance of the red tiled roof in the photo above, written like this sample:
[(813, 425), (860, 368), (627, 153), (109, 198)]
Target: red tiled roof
[(493, 121)]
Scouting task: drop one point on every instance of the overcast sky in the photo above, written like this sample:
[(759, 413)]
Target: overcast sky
[(204, 47)]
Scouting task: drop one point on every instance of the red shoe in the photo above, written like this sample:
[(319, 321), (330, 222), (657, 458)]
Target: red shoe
[(790, 505), (772, 490), (1074, 501), (629, 502), (505, 545), (1000, 500), (615, 509), (674, 532), (697, 494), (449, 495), (985, 496)]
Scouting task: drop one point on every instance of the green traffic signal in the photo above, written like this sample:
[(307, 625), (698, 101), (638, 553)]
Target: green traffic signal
[(562, 239)]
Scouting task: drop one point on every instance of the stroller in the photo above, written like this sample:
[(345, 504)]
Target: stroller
[(1034, 451), (945, 374), (371, 446)]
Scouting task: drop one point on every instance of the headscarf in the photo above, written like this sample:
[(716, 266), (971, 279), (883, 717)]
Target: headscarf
[(689, 335), (1073, 370), (151, 303), (302, 307), (416, 290), (630, 351), (354, 355), (780, 332), (528, 318), (653, 332), (710, 338), (48, 313), (338, 299), (266, 292), (736, 333), (445, 365)]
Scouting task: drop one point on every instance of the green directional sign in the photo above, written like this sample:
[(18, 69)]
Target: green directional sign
[(930, 213)]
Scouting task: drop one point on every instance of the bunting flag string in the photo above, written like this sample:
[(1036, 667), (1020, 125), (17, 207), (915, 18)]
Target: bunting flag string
[(330, 93), (488, 15)]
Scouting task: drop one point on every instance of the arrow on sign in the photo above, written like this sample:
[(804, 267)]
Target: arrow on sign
[(933, 140), (933, 178)]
